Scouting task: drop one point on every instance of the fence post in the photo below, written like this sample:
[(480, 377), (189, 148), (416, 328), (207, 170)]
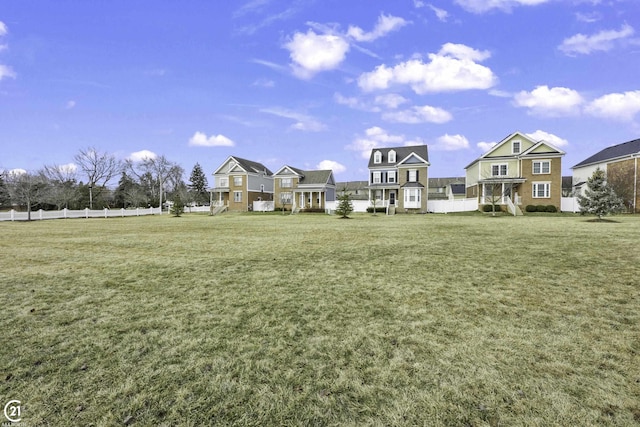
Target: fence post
[(13, 214), (122, 210), (86, 213), (137, 211), (40, 213), (64, 213), (105, 212)]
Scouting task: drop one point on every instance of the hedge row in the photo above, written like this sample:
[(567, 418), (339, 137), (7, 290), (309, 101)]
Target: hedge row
[(541, 208)]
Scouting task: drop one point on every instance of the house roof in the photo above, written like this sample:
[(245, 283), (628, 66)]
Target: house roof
[(443, 182), (316, 177), (402, 153), (352, 185), (458, 189), (628, 148), (248, 165)]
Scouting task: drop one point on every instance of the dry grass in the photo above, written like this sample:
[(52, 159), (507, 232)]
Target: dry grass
[(308, 320)]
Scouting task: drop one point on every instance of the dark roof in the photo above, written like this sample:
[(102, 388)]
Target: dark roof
[(401, 154), (613, 152), (458, 189), (315, 177), (443, 182), (412, 184), (352, 185), (251, 166)]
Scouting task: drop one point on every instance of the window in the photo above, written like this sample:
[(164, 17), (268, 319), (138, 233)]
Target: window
[(392, 156), (541, 190), (411, 198), (237, 196), (412, 175), (262, 188), (376, 178), (391, 177), (499, 170), (285, 198), (285, 182), (542, 167), (515, 147), (224, 182), (237, 181), (378, 195), (377, 157)]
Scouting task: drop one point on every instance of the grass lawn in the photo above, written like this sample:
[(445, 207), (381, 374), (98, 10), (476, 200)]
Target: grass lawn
[(267, 319)]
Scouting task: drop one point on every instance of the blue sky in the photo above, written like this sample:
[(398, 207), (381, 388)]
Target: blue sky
[(314, 83)]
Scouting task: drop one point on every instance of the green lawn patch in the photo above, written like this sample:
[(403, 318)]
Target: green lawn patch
[(256, 319)]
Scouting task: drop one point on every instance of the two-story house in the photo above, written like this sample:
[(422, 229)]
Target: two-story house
[(517, 171), (620, 163), (239, 182), (298, 189), (398, 178)]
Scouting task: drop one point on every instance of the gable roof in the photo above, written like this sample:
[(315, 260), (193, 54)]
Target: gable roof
[(402, 154), (311, 177), (625, 149), (248, 166)]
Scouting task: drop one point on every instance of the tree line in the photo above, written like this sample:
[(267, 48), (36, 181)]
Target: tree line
[(147, 183)]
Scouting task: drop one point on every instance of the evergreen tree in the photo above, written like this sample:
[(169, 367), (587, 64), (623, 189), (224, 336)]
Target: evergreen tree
[(5, 200), (198, 185), (178, 207), (599, 198), (345, 207)]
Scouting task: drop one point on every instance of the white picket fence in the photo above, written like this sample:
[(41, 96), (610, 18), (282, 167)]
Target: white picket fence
[(569, 204), (14, 215)]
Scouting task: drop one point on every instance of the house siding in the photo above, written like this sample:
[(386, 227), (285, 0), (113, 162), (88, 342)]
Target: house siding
[(525, 190), (423, 179)]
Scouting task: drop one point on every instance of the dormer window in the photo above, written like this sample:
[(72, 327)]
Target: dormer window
[(515, 147), (392, 156), (377, 157)]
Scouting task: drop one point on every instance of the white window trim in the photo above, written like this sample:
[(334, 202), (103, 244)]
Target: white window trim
[(239, 177), (288, 184), (237, 196), (392, 157), (499, 165), (513, 143), (391, 177), (412, 192), (224, 182), (413, 175), (377, 178), (540, 162), (547, 189), (377, 157)]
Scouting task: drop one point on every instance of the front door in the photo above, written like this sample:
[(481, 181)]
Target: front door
[(392, 198)]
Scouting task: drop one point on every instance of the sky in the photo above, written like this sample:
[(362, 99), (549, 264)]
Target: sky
[(315, 84)]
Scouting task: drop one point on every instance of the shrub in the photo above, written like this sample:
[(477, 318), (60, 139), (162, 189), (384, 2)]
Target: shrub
[(489, 208), (531, 208), (379, 209), (552, 209), (541, 208)]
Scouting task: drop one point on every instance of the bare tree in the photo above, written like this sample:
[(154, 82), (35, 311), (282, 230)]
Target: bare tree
[(62, 184), (26, 189), (161, 170), (99, 168)]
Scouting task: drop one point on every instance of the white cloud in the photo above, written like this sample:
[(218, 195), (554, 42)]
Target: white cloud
[(452, 69), (355, 103), (385, 25), (69, 168), (601, 41), (486, 146), (70, 104), (616, 106), (330, 164), (141, 155), (303, 122), (312, 53), (481, 6), (3, 29), (199, 139), (451, 142), (554, 140), (264, 83), (17, 171), (377, 137), (423, 114), (550, 102), (442, 14), (390, 100), (6, 71)]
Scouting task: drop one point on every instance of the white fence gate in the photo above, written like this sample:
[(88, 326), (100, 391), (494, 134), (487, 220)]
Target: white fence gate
[(569, 204)]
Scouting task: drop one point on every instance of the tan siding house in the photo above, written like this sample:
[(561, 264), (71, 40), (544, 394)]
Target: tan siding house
[(517, 171), (298, 189), (239, 182)]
